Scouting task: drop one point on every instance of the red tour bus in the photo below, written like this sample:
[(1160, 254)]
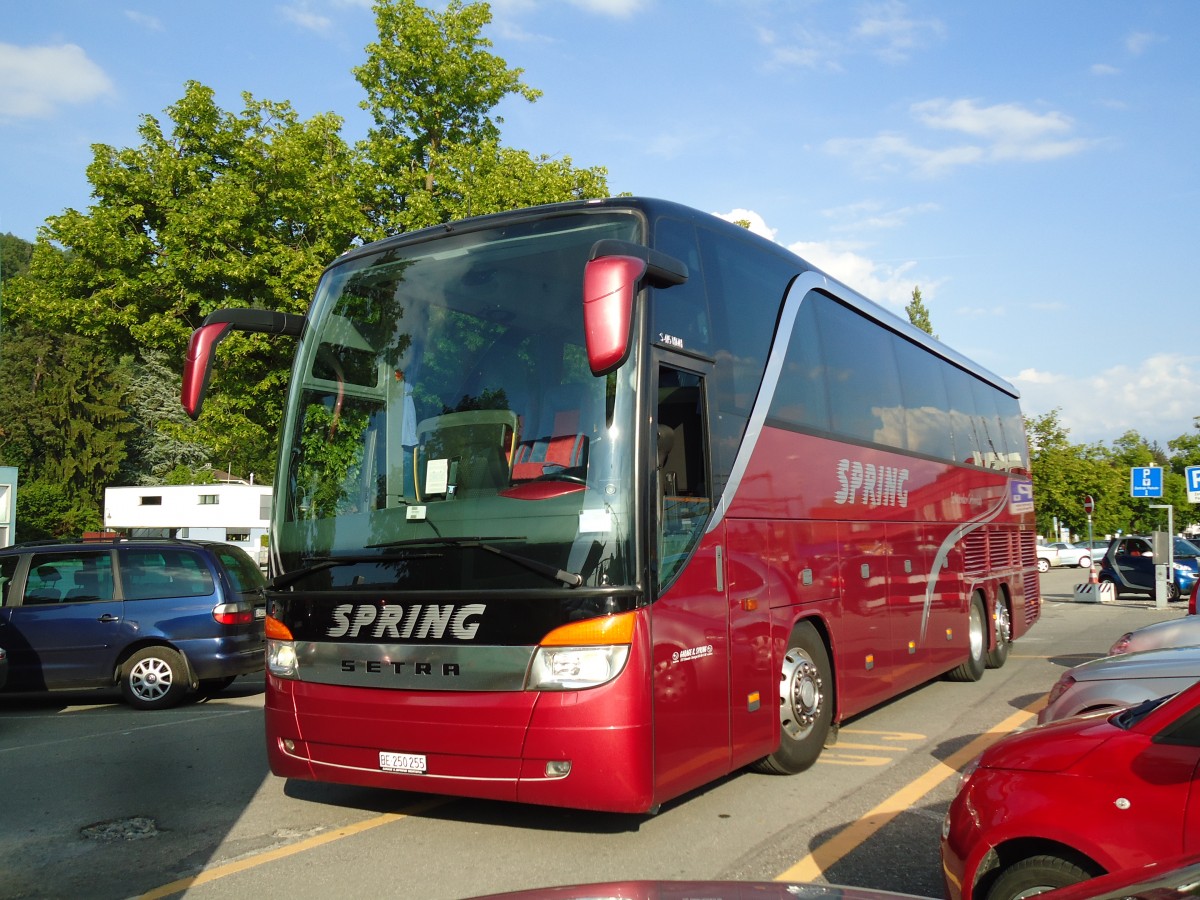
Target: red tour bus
[(590, 504)]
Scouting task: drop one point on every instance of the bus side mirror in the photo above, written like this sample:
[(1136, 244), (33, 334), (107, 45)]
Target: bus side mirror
[(197, 367), (611, 279), (609, 286)]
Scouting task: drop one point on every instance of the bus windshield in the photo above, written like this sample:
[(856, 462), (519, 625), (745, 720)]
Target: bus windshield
[(445, 431)]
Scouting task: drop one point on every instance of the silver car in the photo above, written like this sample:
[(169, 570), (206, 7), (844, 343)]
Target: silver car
[(1115, 682), (1061, 553), (1183, 632)]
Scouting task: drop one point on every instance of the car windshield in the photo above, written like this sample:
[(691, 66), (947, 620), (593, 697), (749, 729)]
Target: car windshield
[(1185, 548), (445, 431)]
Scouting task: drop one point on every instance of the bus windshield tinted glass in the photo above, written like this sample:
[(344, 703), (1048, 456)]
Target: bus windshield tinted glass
[(444, 431)]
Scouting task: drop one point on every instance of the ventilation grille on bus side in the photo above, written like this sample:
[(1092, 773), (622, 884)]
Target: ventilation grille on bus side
[(1033, 585), (975, 553)]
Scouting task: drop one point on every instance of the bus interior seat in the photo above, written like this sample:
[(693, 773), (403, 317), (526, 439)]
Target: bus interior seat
[(561, 438), (479, 444)]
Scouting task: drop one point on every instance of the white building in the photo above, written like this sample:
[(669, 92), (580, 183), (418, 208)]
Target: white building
[(237, 513)]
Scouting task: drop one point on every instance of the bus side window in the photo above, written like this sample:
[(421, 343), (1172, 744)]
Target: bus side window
[(684, 498)]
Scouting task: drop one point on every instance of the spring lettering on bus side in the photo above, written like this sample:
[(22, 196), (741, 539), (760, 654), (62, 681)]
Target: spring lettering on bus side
[(869, 484), (403, 623)]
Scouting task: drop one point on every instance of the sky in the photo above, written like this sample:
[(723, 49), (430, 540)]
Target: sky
[(1030, 166)]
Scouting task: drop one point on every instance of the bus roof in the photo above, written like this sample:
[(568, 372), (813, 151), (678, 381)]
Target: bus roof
[(652, 209)]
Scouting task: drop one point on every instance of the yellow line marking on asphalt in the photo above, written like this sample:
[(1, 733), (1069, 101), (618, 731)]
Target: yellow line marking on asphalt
[(250, 862), (886, 735), (856, 833)]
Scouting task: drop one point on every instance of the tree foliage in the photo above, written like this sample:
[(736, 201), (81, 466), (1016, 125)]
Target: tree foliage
[(1065, 473), (434, 151), (918, 313), (215, 209)]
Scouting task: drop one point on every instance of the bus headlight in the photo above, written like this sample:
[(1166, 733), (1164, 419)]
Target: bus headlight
[(281, 659), (582, 654), (572, 668)]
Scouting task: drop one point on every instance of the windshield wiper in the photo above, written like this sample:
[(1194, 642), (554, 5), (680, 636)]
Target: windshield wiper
[(570, 579), (321, 563)]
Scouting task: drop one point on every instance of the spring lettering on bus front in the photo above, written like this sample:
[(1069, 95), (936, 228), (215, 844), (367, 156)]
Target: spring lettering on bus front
[(401, 622)]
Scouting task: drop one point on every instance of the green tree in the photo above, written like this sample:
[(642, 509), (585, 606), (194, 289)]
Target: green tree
[(215, 209), (64, 419), (14, 255), (918, 314), (164, 440), (432, 85)]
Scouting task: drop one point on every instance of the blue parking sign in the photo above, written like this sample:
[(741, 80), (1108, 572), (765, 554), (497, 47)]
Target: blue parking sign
[(1145, 481), (1192, 473)]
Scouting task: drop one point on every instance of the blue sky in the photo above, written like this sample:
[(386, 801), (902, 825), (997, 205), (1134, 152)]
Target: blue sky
[(1031, 166)]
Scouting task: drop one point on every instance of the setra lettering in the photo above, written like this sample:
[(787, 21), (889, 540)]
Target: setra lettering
[(400, 667)]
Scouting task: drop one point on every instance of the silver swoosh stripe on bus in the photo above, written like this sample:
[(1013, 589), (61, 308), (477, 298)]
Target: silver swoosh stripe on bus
[(803, 283)]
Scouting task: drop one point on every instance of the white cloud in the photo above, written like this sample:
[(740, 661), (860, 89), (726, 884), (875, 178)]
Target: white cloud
[(1158, 398), (302, 16), (871, 215), (896, 33), (151, 23), (1137, 42), (758, 224), (619, 9), (36, 81), (1104, 69), (1000, 133), (886, 284)]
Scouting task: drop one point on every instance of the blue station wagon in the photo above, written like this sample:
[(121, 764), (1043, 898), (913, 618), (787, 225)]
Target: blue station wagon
[(158, 617)]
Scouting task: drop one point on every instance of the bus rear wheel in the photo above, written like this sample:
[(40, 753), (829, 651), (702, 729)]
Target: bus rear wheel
[(805, 704), (1002, 622)]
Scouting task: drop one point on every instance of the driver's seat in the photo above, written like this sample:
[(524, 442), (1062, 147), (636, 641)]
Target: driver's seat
[(560, 441)]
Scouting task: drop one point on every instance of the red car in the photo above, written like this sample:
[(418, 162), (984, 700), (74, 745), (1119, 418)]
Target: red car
[(1070, 800)]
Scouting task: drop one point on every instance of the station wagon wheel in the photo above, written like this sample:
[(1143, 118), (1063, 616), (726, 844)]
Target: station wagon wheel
[(154, 678), (805, 704)]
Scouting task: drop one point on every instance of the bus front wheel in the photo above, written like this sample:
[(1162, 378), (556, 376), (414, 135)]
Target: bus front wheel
[(805, 704)]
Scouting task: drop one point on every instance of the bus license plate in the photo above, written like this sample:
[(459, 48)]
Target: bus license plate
[(413, 763)]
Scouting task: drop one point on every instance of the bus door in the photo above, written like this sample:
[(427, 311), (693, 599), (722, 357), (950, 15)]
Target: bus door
[(689, 622)]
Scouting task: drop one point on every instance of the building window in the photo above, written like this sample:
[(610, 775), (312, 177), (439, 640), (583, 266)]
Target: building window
[(150, 501), (209, 499), (242, 536)]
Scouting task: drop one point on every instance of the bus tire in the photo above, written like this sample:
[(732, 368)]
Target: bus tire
[(805, 704), (1002, 629), (977, 638)]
